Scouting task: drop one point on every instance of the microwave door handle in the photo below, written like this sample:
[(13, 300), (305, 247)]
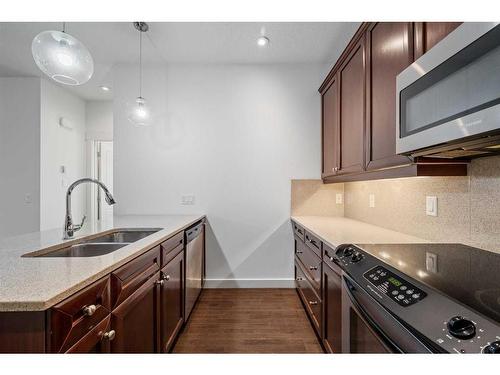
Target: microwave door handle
[(363, 315)]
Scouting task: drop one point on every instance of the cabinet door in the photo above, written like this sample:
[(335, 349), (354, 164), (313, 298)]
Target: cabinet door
[(135, 320), (332, 313), (428, 34), (330, 126), (352, 111), (172, 301), (389, 47)]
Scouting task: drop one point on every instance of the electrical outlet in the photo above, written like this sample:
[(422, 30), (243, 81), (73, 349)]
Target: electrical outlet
[(431, 206), (371, 200), (187, 200), (338, 198), (431, 262), (28, 198)]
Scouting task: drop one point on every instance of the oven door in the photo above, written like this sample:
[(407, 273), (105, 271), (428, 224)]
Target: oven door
[(452, 92), (367, 327)]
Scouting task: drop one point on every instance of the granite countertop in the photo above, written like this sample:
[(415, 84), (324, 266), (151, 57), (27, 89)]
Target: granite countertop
[(335, 231), (35, 284)]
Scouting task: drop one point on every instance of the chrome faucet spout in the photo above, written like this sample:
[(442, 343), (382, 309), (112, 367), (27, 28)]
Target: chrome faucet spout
[(69, 227)]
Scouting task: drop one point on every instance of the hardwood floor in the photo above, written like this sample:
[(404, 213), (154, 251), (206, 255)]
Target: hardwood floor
[(248, 321)]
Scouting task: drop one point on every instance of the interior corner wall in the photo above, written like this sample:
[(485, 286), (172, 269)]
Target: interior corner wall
[(19, 155), (60, 146), (233, 136)]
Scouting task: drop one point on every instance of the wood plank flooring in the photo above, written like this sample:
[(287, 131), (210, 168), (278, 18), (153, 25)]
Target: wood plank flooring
[(248, 321)]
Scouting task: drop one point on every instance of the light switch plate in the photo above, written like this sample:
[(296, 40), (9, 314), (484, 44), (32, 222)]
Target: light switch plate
[(431, 206), (187, 200), (431, 262), (338, 198), (371, 200)]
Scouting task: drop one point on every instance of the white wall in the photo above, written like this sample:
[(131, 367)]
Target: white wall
[(61, 146), (234, 136), (19, 155), (99, 120)]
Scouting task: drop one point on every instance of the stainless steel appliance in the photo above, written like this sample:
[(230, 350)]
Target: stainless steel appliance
[(448, 100), (395, 300), (195, 249)]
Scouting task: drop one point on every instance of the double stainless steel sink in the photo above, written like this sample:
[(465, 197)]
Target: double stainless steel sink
[(100, 245)]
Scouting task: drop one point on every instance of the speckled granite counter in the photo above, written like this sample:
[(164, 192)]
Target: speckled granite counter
[(335, 231), (34, 284)]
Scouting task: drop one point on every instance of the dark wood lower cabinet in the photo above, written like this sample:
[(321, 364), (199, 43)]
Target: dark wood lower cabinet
[(135, 320), (332, 309), (171, 301)]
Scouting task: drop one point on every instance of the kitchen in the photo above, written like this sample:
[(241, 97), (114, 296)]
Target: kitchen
[(249, 187)]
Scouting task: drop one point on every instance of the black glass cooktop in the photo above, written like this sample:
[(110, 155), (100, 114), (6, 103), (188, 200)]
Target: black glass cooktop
[(469, 275)]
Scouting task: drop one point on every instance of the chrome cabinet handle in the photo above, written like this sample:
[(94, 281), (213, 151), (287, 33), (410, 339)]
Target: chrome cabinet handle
[(166, 277), (331, 259), (313, 268), (299, 279), (110, 335), (89, 310), (160, 282), (313, 303), (299, 252)]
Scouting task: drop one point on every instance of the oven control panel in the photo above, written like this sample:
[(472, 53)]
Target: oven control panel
[(393, 286)]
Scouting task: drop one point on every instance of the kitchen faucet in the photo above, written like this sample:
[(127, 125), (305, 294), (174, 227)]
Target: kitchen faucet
[(69, 227)]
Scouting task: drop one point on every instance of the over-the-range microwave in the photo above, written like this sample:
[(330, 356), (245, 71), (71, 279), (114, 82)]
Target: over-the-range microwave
[(448, 100)]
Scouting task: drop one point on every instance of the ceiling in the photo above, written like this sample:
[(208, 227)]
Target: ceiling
[(112, 43)]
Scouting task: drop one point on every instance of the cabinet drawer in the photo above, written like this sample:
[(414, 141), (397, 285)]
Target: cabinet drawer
[(329, 259), (74, 317), (298, 231), (307, 294), (133, 275), (311, 263), (95, 341), (313, 242), (169, 245)]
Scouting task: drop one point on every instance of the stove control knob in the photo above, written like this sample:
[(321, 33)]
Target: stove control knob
[(461, 328), (356, 257), (348, 251), (493, 348)]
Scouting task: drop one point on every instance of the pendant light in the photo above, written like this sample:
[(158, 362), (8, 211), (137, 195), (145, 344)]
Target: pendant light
[(62, 57), (139, 113)]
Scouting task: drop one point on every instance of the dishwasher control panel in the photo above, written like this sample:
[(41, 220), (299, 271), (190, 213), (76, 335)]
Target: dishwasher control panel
[(393, 286)]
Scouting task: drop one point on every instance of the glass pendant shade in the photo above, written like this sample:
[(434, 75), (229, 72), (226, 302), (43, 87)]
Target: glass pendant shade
[(139, 113), (62, 57)]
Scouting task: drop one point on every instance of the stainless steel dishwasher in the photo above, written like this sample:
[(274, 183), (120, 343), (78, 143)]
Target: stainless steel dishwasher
[(195, 248)]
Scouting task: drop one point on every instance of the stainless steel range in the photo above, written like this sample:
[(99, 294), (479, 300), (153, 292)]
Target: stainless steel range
[(420, 298)]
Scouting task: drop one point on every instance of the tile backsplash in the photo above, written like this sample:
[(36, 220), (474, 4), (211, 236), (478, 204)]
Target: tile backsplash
[(468, 207)]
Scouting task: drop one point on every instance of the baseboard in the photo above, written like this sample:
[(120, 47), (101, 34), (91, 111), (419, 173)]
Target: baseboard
[(249, 283)]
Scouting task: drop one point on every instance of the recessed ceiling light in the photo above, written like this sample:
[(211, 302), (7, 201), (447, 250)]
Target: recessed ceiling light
[(263, 41), (104, 88)]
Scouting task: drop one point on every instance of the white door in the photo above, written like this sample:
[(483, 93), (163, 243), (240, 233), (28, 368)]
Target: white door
[(101, 214)]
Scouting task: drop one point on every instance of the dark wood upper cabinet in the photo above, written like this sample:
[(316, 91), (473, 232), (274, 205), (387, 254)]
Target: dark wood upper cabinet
[(171, 301), (330, 129), (359, 104), (389, 47), (428, 34), (352, 110)]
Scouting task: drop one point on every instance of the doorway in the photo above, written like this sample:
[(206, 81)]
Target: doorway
[(101, 214)]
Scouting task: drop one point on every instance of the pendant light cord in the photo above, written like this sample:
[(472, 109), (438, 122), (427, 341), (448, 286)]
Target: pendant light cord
[(64, 27), (140, 64)]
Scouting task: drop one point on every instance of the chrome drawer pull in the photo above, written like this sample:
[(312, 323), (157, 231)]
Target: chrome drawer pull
[(299, 252), (313, 268), (299, 279), (89, 310), (160, 282), (110, 335), (313, 302)]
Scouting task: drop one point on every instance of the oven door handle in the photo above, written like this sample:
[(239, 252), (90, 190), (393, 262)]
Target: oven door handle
[(365, 317)]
